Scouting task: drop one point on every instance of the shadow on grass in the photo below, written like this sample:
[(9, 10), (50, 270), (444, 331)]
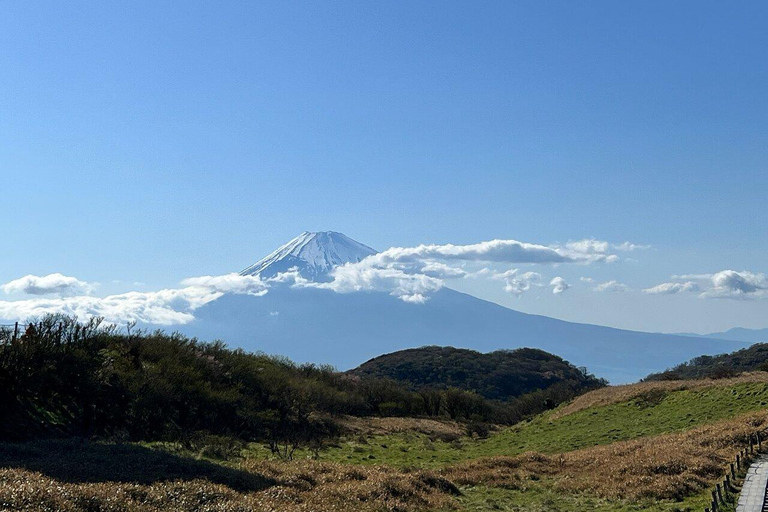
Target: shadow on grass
[(78, 461)]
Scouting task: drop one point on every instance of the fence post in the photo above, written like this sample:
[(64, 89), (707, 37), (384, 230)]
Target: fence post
[(719, 493), (738, 461), (15, 331), (733, 472), (759, 442), (727, 484)]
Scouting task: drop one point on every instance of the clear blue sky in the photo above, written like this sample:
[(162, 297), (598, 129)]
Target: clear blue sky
[(153, 141)]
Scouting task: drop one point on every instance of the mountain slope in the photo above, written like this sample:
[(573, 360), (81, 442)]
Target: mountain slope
[(496, 375), (346, 329), (737, 334)]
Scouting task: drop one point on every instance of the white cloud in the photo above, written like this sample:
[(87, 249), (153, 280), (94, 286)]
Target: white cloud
[(692, 277), (726, 284), (354, 277), (629, 247), (586, 280), (163, 307), (517, 283), (230, 283), (672, 288), (611, 286), (558, 285), (501, 251), (52, 284), (441, 270), (730, 284)]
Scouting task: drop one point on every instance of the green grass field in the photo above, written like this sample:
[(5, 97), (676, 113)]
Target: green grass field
[(651, 415)]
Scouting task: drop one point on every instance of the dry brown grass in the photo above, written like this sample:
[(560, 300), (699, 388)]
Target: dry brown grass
[(670, 466), (300, 486), (615, 394), (383, 426)]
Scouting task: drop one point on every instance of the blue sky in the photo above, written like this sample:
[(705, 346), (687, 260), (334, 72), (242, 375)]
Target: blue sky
[(152, 141)]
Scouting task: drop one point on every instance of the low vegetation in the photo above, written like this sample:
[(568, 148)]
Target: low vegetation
[(198, 427), (499, 375), (752, 358), (71, 476), (60, 377)]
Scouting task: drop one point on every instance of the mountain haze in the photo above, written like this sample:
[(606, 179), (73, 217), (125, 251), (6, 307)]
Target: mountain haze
[(737, 334)]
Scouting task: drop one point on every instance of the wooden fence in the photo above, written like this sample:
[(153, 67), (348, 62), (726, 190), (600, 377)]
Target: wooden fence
[(727, 491)]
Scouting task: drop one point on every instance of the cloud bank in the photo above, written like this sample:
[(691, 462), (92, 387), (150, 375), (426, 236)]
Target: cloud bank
[(411, 274), (163, 307), (726, 284)]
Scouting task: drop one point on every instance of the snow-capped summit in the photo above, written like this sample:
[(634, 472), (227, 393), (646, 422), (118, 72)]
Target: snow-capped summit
[(313, 254)]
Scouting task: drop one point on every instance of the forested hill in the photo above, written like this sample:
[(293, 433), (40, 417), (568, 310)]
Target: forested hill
[(61, 377), (724, 365), (499, 375)]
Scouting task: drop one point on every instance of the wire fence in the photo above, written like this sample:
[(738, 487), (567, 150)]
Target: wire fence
[(11, 332)]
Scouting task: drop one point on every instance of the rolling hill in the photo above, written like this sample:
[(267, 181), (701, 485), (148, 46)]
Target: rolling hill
[(496, 375), (748, 359)]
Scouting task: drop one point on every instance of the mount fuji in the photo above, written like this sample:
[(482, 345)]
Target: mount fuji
[(345, 329), (314, 255)]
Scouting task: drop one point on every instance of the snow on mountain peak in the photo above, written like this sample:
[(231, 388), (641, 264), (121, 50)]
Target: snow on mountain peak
[(314, 254)]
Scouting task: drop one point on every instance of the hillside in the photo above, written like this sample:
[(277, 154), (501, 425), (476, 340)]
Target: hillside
[(61, 377), (162, 422), (498, 375), (652, 446), (748, 359)]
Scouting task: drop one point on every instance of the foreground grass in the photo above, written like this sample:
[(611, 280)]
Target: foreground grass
[(653, 447), (74, 476), (540, 497)]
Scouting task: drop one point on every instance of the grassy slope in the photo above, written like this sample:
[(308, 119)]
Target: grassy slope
[(643, 416), (654, 412), (542, 498)]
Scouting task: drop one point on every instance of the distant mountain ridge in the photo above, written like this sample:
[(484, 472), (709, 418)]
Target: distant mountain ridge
[(735, 334), (345, 329)]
